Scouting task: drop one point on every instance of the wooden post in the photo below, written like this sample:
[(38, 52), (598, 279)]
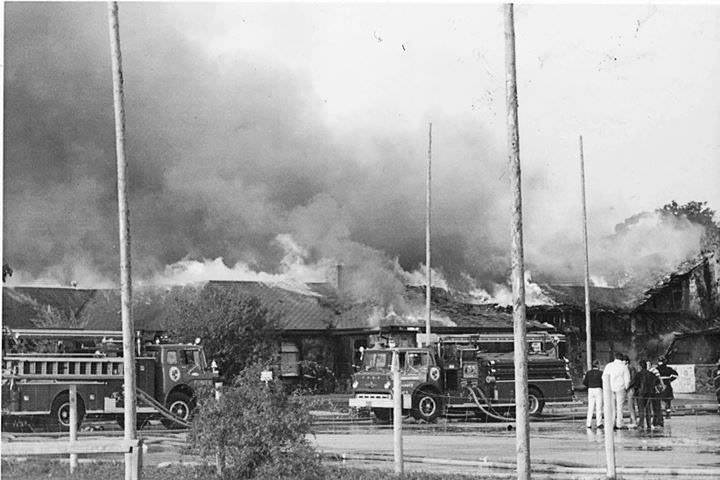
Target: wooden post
[(609, 428), (588, 329), (132, 463), (428, 289), (397, 414), (522, 443), (73, 426)]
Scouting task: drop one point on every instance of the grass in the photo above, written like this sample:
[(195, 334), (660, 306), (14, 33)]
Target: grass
[(37, 469)]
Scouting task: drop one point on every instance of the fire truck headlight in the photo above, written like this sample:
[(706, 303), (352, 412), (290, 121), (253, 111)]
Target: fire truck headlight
[(355, 384), (387, 385), (489, 379), (26, 398)]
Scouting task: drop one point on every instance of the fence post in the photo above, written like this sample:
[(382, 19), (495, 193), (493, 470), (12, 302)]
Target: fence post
[(73, 426), (397, 414)]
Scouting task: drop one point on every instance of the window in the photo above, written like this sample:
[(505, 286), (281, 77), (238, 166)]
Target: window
[(289, 359), (171, 357), (414, 361), (190, 357)]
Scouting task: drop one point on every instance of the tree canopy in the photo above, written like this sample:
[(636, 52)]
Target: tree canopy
[(235, 330)]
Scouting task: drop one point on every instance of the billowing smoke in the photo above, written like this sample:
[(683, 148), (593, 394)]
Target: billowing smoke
[(234, 173)]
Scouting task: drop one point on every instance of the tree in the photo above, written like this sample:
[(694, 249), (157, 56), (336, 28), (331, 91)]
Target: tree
[(700, 214), (235, 329), (256, 430)]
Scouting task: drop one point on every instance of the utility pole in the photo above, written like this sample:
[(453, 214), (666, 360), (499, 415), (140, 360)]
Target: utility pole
[(588, 333), (132, 460), (397, 414), (428, 289), (522, 442)]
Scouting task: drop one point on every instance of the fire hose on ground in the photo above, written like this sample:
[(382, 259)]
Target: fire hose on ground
[(147, 398)]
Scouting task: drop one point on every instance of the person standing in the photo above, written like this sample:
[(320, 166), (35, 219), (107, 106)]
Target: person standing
[(619, 378), (667, 375), (644, 385), (631, 393), (593, 382), (657, 421)]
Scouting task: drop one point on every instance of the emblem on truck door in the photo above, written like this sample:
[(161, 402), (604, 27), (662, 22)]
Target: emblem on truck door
[(174, 374)]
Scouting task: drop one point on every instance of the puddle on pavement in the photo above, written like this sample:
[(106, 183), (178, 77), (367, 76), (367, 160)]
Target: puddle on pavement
[(648, 448)]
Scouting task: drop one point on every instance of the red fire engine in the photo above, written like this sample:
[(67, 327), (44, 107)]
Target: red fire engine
[(38, 366)]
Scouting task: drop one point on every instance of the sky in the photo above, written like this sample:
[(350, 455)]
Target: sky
[(286, 138)]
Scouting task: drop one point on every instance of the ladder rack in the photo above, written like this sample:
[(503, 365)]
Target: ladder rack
[(62, 367)]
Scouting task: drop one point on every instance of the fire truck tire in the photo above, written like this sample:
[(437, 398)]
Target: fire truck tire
[(425, 406), (182, 406), (536, 402), (60, 413), (383, 415)]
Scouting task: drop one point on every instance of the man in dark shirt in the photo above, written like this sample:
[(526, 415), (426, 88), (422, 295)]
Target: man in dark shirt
[(593, 382), (644, 384), (668, 375)]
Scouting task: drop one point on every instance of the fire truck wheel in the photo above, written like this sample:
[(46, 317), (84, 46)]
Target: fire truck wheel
[(182, 406), (425, 406), (536, 403), (383, 415), (60, 413)]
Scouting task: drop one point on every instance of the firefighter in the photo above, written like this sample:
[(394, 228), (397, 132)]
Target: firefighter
[(667, 375)]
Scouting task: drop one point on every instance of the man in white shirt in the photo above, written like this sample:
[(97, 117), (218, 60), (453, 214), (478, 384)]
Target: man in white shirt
[(619, 378)]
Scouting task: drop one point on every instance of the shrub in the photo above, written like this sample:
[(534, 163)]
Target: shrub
[(235, 329), (256, 430), (317, 378)]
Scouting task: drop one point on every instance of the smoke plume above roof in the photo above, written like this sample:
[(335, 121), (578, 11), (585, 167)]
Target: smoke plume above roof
[(230, 157)]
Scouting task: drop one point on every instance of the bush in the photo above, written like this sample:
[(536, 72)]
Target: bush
[(235, 330), (256, 430), (317, 378)]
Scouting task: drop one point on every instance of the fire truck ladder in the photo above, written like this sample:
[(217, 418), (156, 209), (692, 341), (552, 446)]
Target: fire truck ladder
[(61, 367)]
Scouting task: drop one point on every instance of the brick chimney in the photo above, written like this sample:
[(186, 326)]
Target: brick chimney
[(339, 283)]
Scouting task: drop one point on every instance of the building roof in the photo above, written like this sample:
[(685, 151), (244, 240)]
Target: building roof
[(601, 298), (448, 313), (33, 307)]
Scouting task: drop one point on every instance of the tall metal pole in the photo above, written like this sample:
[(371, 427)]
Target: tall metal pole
[(522, 442), (428, 289), (397, 414), (131, 466), (588, 333)]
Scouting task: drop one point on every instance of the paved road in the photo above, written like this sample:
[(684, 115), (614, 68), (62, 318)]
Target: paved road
[(687, 441)]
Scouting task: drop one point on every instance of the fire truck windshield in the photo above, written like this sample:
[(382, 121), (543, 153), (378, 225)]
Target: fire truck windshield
[(374, 360), (382, 360)]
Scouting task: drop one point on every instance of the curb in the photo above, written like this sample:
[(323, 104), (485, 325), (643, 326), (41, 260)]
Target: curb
[(536, 468)]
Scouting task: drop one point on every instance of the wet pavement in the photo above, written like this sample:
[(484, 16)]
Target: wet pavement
[(686, 441)]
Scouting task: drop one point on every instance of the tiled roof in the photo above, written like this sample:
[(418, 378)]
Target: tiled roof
[(294, 309), (601, 298), (447, 312)]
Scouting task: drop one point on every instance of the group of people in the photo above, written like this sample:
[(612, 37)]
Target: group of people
[(644, 389)]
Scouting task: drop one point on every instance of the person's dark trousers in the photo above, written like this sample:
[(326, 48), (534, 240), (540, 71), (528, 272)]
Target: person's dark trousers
[(644, 411), (668, 408), (657, 412)]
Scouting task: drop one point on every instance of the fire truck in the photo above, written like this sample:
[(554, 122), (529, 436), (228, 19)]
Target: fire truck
[(39, 365), (462, 375)]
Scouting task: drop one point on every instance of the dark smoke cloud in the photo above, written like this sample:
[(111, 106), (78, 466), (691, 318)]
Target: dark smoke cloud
[(225, 154)]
